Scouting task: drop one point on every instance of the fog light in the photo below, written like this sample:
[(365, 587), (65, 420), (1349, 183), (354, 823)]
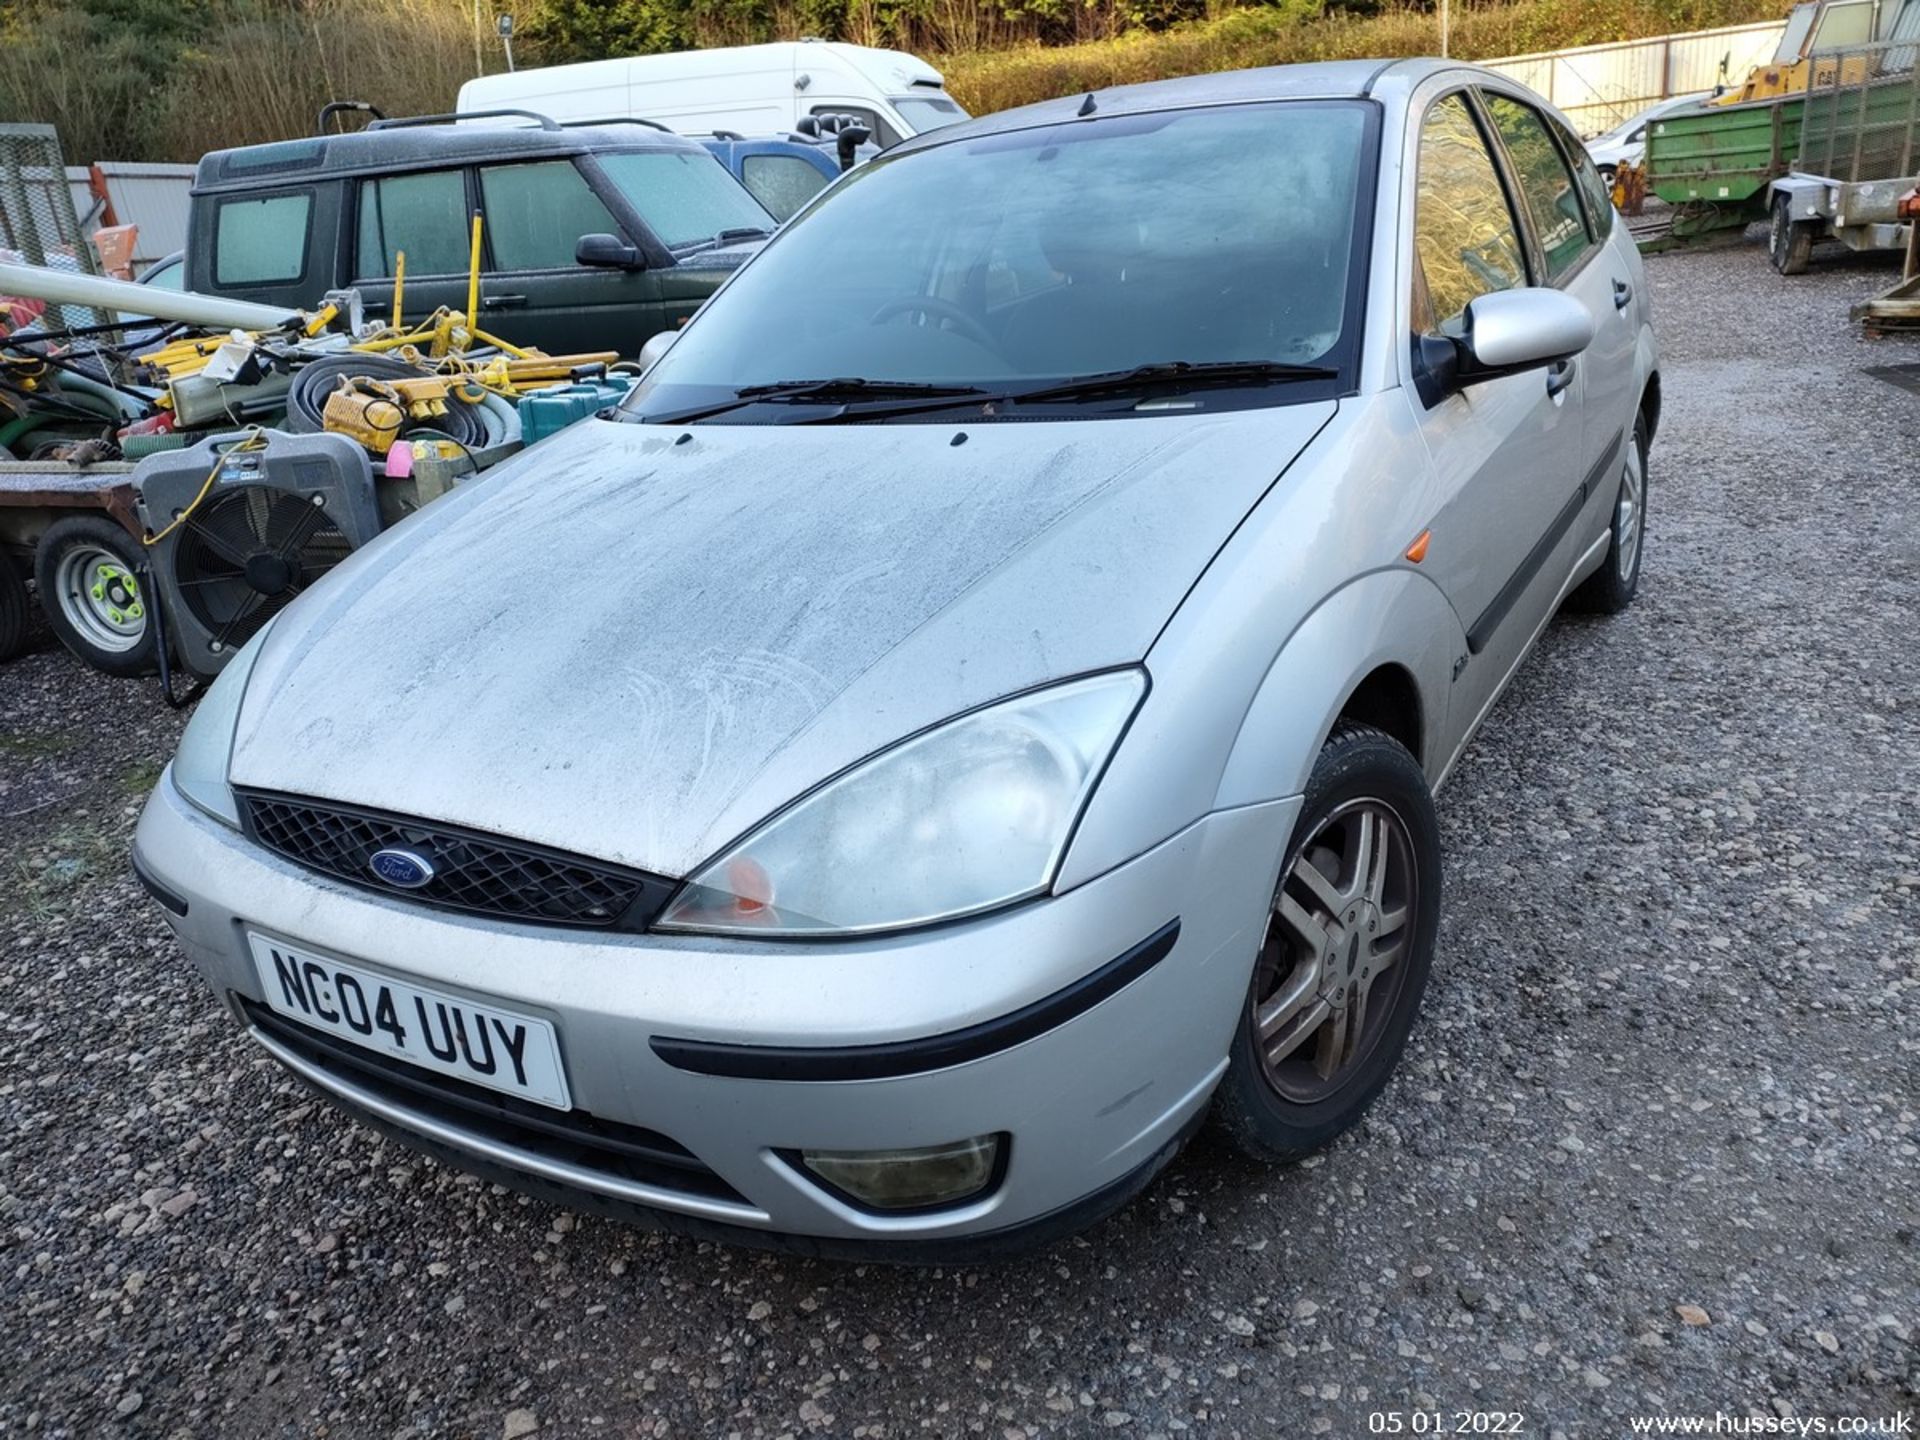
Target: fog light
[(909, 1179)]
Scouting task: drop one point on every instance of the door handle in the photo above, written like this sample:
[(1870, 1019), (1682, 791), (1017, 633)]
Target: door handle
[(1559, 376), (1622, 294), (502, 302)]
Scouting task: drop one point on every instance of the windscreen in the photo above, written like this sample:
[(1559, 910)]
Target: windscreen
[(684, 196), (1202, 236), (928, 112)]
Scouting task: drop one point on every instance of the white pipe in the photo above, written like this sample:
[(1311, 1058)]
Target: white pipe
[(70, 287)]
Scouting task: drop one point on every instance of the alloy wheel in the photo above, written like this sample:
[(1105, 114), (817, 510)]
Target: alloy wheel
[(1626, 513), (1329, 972)]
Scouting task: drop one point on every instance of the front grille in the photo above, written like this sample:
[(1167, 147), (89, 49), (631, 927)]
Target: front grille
[(572, 1137), (472, 871)]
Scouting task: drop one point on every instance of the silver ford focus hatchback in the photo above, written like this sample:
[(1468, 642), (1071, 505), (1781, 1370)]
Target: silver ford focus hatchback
[(972, 713)]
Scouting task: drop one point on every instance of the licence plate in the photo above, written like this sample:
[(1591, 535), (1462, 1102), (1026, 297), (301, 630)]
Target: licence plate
[(481, 1044)]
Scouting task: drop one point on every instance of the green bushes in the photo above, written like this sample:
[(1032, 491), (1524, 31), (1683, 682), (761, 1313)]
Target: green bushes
[(172, 79)]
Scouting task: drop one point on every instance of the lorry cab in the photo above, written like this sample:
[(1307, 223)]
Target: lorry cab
[(747, 89)]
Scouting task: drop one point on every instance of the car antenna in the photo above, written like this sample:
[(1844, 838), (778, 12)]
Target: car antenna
[(1088, 106)]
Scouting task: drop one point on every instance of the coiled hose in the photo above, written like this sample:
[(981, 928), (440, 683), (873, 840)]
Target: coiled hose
[(317, 379)]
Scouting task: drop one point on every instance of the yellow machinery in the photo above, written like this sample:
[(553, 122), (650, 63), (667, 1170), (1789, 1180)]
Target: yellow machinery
[(1813, 27), (441, 346)]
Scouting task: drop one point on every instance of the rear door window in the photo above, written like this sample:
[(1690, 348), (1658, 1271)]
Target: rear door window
[(424, 215), (782, 183), (261, 242), (537, 213), (1546, 184), (1592, 188)]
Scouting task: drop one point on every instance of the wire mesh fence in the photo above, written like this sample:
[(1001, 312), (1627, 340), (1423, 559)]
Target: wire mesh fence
[(1861, 114), (38, 225)]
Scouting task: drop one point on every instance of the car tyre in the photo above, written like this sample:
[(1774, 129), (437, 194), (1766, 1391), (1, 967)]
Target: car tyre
[(1611, 588), (87, 570), (1789, 241), (13, 609), (1345, 957)]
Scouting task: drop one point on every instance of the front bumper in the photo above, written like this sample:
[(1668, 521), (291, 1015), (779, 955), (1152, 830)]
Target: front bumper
[(1093, 1103)]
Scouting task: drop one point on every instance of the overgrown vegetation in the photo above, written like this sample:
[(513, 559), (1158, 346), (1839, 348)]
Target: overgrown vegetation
[(1303, 30), (172, 79)]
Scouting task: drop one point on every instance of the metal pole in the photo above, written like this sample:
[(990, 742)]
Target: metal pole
[(479, 65), (1446, 24), (212, 312), (507, 40)]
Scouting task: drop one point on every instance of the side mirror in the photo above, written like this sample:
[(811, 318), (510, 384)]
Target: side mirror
[(608, 252), (1508, 331), (655, 347)]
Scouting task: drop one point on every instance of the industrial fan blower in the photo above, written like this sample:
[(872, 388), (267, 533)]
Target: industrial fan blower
[(241, 524)]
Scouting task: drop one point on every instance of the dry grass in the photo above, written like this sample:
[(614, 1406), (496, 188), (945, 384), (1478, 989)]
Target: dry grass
[(1290, 33), (238, 72)]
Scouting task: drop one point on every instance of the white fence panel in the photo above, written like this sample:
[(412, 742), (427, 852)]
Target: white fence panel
[(1598, 86)]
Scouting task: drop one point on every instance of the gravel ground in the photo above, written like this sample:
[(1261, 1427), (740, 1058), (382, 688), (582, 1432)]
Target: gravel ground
[(1654, 1148)]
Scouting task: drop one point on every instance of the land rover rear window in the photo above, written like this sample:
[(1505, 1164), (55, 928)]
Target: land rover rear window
[(261, 242)]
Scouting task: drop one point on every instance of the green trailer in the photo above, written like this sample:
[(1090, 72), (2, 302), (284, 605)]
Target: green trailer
[(1714, 163), (1827, 160)]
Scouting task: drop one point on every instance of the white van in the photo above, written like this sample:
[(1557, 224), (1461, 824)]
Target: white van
[(749, 90)]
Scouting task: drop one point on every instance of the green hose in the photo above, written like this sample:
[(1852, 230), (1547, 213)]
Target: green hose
[(20, 425)]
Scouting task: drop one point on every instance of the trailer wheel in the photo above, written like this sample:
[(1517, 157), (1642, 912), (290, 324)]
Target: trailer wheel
[(88, 570), (13, 608), (1789, 241)]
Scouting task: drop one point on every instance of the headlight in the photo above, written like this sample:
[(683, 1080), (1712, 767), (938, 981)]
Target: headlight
[(200, 764), (966, 817)]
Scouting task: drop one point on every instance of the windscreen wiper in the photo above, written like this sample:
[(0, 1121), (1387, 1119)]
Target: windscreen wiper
[(845, 388), (736, 235), (1178, 374)]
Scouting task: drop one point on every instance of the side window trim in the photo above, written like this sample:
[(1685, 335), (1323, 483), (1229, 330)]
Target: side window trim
[(1503, 166), (1510, 179), (1579, 161)]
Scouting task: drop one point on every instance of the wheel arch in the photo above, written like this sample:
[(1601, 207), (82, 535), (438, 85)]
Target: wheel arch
[(1650, 405), (1379, 651)]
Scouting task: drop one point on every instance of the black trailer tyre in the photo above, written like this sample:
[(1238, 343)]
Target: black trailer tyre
[(87, 569), (1344, 961), (1789, 241), (13, 609), (1611, 588)]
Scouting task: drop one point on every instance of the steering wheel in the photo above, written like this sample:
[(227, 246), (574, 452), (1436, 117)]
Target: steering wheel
[(964, 323)]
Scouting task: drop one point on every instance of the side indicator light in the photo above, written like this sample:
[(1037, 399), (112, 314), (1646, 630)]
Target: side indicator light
[(1417, 551)]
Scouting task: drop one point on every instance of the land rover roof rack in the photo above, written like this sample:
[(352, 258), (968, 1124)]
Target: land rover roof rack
[(546, 122)]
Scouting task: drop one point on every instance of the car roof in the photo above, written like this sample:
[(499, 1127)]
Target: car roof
[(415, 147), (1321, 80)]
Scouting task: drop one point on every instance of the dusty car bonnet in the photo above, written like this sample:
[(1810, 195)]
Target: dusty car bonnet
[(636, 642)]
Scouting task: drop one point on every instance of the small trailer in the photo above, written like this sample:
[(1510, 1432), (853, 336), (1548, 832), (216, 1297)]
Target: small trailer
[(1825, 162), (1858, 154), (75, 529)]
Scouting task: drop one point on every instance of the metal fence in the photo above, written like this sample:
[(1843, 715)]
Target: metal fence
[(38, 225), (1862, 109), (1599, 86)]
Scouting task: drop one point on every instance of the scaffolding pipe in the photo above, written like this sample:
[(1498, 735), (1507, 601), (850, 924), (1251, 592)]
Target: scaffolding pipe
[(68, 287)]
